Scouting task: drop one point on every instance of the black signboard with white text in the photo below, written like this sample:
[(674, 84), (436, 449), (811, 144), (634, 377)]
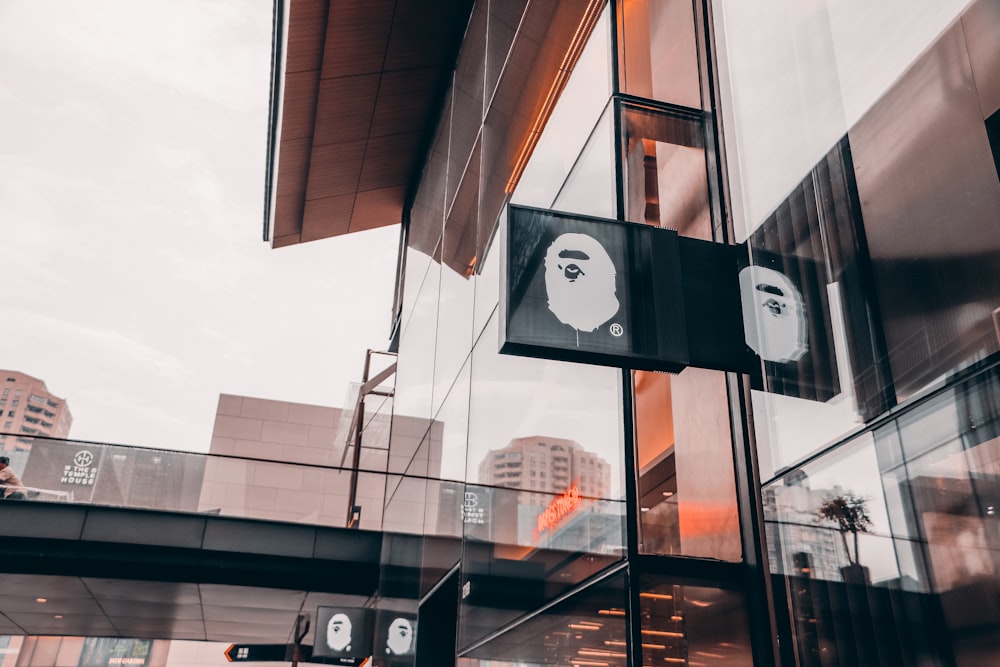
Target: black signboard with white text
[(594, 291)]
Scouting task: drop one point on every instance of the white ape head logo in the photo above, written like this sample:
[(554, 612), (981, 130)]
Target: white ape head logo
[(774, 318), (580, 282), (400, 637), (338, 632)]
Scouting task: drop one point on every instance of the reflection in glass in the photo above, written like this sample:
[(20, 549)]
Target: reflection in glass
[(906, 585), (659, 58), (569, 127), (666, 177), (588, 628), (518, 397), (590, 187), (687, 485), (691, 625)]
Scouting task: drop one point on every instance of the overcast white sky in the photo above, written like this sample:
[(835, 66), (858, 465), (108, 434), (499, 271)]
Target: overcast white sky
[(133, 277)]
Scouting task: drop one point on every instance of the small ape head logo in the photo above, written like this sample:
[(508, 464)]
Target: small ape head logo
[(400, 638), (338, 632), (774, 317), (580, 282)]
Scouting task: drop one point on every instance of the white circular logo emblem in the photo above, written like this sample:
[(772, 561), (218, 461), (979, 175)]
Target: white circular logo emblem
[(83, 459), (471, 499), (616, 330)]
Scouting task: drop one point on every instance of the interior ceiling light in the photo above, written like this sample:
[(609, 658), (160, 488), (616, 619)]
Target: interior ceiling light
[(662, 633), (611, 612), (41, 600), (656, 596), (581, 626)]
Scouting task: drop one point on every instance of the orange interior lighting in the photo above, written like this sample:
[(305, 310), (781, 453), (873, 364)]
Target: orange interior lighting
[(662, 633), (656, 596)]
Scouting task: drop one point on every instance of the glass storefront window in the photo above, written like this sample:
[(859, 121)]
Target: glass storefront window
[(658, 56), (666, 176), (586, 629), (590, 187), (684, 624), (913, 542), (868, 189), (571, 123)]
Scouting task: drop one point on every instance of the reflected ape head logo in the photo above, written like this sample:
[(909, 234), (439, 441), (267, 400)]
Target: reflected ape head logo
[(400, 637), (338, 632), (580, 282), (774, 317)]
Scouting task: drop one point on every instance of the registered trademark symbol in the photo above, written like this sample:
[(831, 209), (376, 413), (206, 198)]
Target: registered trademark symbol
[(616, 330)]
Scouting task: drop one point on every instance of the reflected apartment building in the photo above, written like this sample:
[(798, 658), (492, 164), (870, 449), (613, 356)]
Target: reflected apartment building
[(848, 153), (28, 408)]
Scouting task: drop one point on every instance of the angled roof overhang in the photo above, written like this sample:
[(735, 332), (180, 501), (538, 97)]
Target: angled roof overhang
[(357, 87)]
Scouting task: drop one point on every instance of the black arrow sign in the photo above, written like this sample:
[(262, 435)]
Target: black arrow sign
[(256, 652)]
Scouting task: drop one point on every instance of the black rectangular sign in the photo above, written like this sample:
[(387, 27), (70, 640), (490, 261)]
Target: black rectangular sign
[(594, 291), (343, 632)]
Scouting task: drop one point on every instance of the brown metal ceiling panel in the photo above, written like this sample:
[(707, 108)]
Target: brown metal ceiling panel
[(356, 36), (306, 30), (335, 169), (419, 37), (298, 117), (345, 107), (293, 162), (378, 208), (327, 217), (382, 63), (403, 99), (288, 215), (388, 161), (285, 241)]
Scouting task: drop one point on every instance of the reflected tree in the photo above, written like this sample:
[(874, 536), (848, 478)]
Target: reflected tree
[(850, 513)]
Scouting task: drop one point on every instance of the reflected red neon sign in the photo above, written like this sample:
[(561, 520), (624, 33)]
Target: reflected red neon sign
[(561, 506)]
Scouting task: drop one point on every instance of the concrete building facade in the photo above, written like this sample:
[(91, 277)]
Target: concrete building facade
[(29, 409)]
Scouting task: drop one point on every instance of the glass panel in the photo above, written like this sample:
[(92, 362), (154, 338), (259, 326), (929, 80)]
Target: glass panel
[(455, 308), (692, 625), (586, 629), (571, 123), (687, 484), (574, 408), (931, 203), (887, 543), (540, 75), (426, 216), (824, 360), (415, 372), (590, 188), (659, 56), (666, 177), (503, 21), (543, 504), (468, 97)]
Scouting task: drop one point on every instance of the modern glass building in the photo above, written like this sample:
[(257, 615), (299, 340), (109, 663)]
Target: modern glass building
[(836, 505)]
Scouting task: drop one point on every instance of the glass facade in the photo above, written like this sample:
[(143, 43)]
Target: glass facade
[(833, 507), (861, 170)]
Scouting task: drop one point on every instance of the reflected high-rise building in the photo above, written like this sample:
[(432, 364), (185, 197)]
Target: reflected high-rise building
[(28, 408), (546, 466)]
